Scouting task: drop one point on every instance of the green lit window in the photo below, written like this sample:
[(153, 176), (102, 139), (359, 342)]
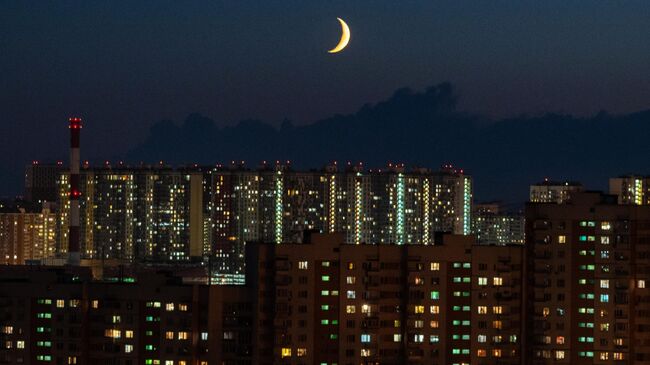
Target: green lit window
[(435, 295), (324, 321), (325, 307), (325, 278)]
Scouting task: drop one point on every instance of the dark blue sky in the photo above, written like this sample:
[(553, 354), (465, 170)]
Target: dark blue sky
[(124, 65)]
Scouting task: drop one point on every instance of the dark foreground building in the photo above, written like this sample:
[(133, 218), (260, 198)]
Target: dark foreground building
[(321, 302), (588, 282)]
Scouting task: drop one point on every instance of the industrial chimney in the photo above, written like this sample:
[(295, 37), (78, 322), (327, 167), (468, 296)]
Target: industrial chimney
[(74, 256)]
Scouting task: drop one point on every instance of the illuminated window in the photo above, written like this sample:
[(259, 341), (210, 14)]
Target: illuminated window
[(482, 281), (434, 309), (301, 352), (128, 348), (418, 309), (435, 266), (113, 333), (419, 338), (497, 281), (350, 265), (286, 352), (325, 278), (559, 340), (365, 352), (204, 336), (397, 337), (546, 311), (604, 240), (604, 298), (482, 309), (418, 323), (73, 303), (182, 335), (351, 280), (365, 338), (350, 309), (396, 323), (303, 265), (497, 325), (559, 354), (435, 295), (169, 307), (434, 324), (605, 226), (640, 284), (561, 239), (60, 303), (351, 294), (618, 356), (604, 356), (496, 352), (497, 309), (604, 284), (434, 339), (128, 334), (481, 353), (95, 304), (20, 344), (169, 335)]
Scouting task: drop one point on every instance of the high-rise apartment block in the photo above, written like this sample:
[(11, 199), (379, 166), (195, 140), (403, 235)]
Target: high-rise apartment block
[(553, 191), (158, 213), (26, 234), (587, 289), (337, 303), (140, 213), (631, 189), (493, 226), (40, 181)]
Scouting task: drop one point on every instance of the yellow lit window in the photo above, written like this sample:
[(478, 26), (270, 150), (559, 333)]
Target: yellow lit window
[(286, 352), (95, 304), (481, 353), (496, 352), (300, 352), (559, 354), (182, 307), (60, 303), (497, 325), (128, 334), (169, 307), (397, 323), (169, 335), (546, 311), (604, 356), (482, 309), (350, 265), (561, 239), (497, 309), (497, 281), (435, 266), (434, 324), (182, 335), (418, 309), (640, 284), (350, 309), (434, 309), (559, 340)]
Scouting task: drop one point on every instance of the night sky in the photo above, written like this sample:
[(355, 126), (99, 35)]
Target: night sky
[(124, 66)]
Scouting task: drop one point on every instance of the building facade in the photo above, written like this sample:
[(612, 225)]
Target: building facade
[(41, 181), (492, 226), (26, 235), (588, 263), (553, 191), (631, 189)]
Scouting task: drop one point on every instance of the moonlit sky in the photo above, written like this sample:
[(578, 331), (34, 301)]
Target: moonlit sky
[(124, 65)]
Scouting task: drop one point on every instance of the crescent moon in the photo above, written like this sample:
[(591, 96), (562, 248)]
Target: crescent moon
[(345, 37)]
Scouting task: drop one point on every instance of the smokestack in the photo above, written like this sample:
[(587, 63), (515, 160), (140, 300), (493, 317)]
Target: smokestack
[(74, 256)]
